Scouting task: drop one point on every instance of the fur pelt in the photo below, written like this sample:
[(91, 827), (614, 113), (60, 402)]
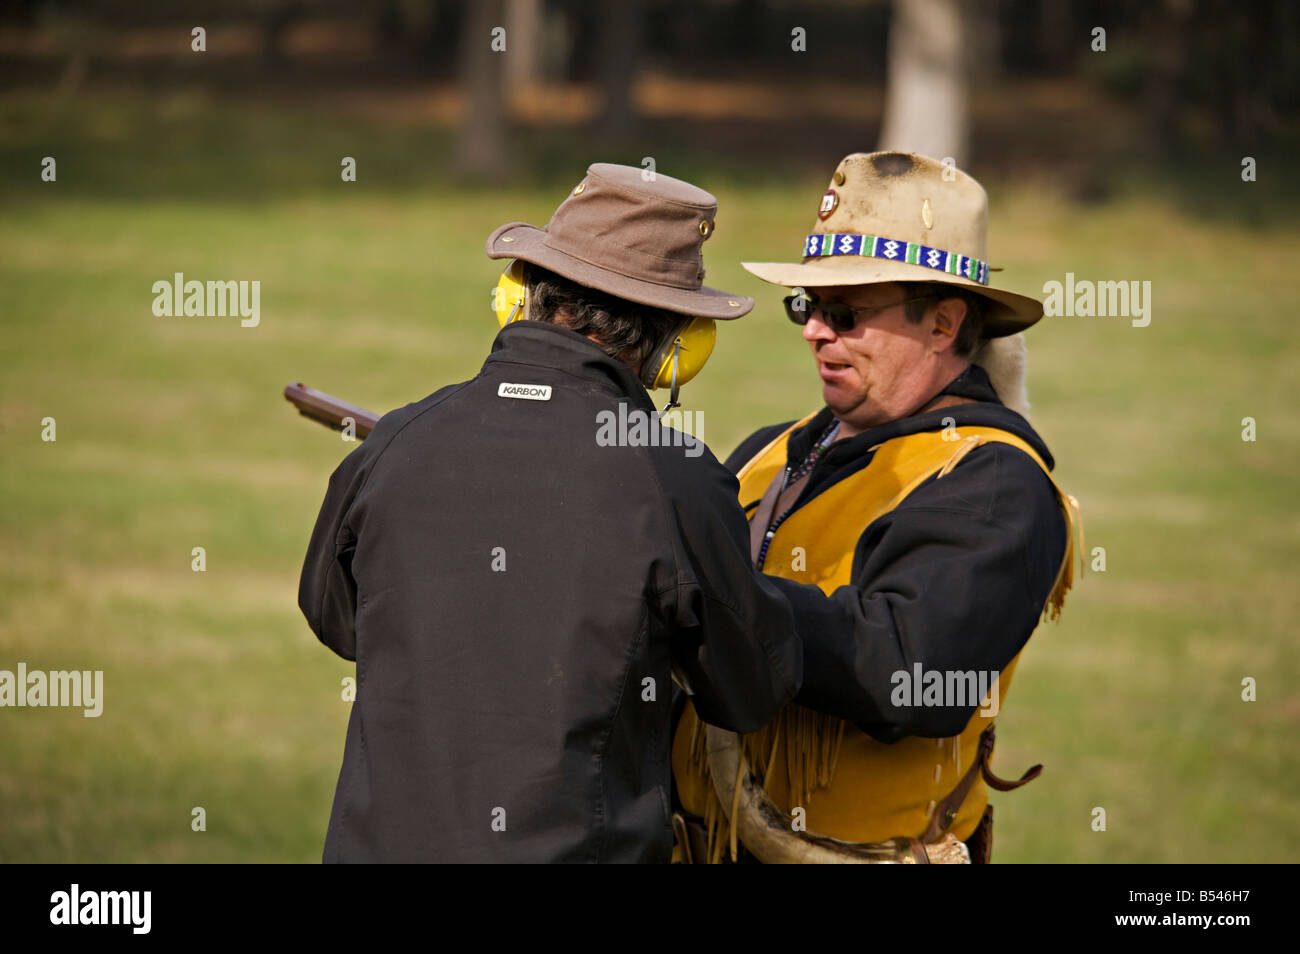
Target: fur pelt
[(1006, 360)]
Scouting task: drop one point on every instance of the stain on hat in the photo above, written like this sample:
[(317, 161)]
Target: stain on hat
[(893, 163)]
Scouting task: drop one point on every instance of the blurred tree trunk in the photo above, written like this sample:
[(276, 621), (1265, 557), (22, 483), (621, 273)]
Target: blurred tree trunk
[(414, 28), (926, 108), (984, 21), (1060, 40), (524, 26), (481, 142), (1165, 27), (277, 20), (620, 50)]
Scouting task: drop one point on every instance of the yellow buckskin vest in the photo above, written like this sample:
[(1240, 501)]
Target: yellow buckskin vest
[(852, 787)]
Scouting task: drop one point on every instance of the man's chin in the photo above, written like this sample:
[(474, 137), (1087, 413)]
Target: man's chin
[(853, 409), (839, 398)]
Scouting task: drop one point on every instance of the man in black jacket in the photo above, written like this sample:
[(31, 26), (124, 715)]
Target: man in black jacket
[(518, 591), (913, 521)]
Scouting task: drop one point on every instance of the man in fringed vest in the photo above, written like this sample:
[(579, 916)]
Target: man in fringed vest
[(915, 526)]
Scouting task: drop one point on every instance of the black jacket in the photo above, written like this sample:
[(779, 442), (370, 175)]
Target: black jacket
[(515, 595), (954, 578)]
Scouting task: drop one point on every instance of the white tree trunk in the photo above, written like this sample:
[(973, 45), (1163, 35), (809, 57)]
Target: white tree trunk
[(926, 108)]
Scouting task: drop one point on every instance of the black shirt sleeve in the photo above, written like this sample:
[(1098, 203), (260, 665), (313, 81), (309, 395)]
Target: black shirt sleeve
[(327, 593), (955, 578), (734, 639)]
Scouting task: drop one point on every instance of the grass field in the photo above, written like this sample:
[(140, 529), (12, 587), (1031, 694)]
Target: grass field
[(171, 434)]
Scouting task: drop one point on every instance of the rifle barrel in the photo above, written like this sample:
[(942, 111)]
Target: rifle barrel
[(329, 410)]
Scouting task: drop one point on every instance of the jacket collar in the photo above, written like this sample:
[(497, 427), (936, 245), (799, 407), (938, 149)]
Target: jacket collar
[(972, 383), (550, 348)]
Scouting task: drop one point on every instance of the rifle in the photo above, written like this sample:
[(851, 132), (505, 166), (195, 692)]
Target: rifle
[(329, 410)]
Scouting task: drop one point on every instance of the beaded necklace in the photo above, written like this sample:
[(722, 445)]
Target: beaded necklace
[(819, 449), (794, 476)]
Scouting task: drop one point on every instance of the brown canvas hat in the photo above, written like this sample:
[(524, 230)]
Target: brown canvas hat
[(636, 239), (900, 217)]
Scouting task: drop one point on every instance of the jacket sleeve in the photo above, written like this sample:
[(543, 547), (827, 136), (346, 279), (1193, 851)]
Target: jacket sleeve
[(734, 643), (954, 578), (327, 592)]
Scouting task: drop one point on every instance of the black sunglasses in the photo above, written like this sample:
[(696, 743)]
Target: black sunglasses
[(840, 317)]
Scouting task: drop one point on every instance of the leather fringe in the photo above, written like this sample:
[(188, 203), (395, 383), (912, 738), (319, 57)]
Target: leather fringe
[(812, 743), (1065, 576)]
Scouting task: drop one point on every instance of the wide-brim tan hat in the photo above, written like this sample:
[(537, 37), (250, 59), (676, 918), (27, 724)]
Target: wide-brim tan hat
[(901, 217), (632, 234)]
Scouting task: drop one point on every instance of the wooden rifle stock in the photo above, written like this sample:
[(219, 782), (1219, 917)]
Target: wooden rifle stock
[(329, 410)]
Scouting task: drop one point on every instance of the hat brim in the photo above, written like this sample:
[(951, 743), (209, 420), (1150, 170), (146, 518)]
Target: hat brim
[(528, 243), (1008, 312)]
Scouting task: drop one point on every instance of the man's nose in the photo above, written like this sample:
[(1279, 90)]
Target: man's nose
[(817, 330)]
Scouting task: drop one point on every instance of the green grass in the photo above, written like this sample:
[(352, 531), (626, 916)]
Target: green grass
[(172, 434)]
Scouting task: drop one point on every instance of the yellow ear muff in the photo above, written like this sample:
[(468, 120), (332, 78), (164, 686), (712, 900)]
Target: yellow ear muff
[(680, 356), (508, 296)]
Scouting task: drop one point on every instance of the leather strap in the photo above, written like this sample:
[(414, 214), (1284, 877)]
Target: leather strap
[(980, 843), (762, 518), (1004, 786), (946, 810), (688, 841)]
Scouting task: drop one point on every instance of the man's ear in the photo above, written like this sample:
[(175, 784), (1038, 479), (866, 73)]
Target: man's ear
[(948, 316)]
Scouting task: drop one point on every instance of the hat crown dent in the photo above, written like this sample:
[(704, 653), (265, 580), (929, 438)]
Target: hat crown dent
[(891, 194)]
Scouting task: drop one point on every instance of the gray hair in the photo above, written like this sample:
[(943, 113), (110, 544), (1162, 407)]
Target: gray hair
[(972, 326)]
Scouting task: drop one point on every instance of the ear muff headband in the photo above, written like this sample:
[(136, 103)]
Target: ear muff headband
[(508, 297)]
